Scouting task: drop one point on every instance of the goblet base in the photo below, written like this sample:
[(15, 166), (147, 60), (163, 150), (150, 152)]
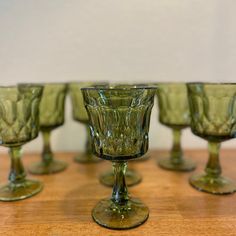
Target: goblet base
[(19, 191), (185, 165), (43, 168), (87, 158), (111, 215), (132, 177), (215, 185)]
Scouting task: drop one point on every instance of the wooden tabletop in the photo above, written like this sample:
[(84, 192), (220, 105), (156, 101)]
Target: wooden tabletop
[(64, 206)]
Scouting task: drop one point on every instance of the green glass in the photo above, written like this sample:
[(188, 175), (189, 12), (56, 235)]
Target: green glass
[(51, 117), (120, 120), (146, 157), (80, 115), (213, 118), (19, 124), (174, 113), (132, 177)]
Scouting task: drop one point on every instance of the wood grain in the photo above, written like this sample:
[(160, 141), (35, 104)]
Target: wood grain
[(64, 206)]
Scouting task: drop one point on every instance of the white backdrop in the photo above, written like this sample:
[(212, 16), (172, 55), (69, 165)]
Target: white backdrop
[(125, 40)]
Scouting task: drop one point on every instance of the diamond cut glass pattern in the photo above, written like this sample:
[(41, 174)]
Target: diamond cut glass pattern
[(213, 118), (19, 124)]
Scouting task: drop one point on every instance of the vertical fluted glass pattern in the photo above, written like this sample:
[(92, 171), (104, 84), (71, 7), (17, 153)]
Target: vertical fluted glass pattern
[(52, 107), (119, 121), (78, 109), (173, 105)]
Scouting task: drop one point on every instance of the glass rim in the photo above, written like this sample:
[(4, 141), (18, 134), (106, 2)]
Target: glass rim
[(43, 83), (30, 85), (211, 83), (17, 86), (170, 84), (84, 82), (113, 88), (8, 86)]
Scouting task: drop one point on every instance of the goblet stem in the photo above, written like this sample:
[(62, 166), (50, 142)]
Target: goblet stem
[(176, 151), (17, 172), (213, 167), (177, 162), (212, 181), (48, 165), (120, 191), (120, 211), (47, 155), (19, 187)]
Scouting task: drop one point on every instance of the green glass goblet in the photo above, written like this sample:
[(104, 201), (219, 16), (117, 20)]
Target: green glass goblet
[(174, 113), (80, 115), (51, 117), (19, 124), (213, 118), (119, 119)]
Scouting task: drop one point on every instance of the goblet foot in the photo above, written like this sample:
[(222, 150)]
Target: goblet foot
[(111, 215), (87, 158), (214, 185), (185, 165), (25, 189), (43, 168), (132, 177)]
